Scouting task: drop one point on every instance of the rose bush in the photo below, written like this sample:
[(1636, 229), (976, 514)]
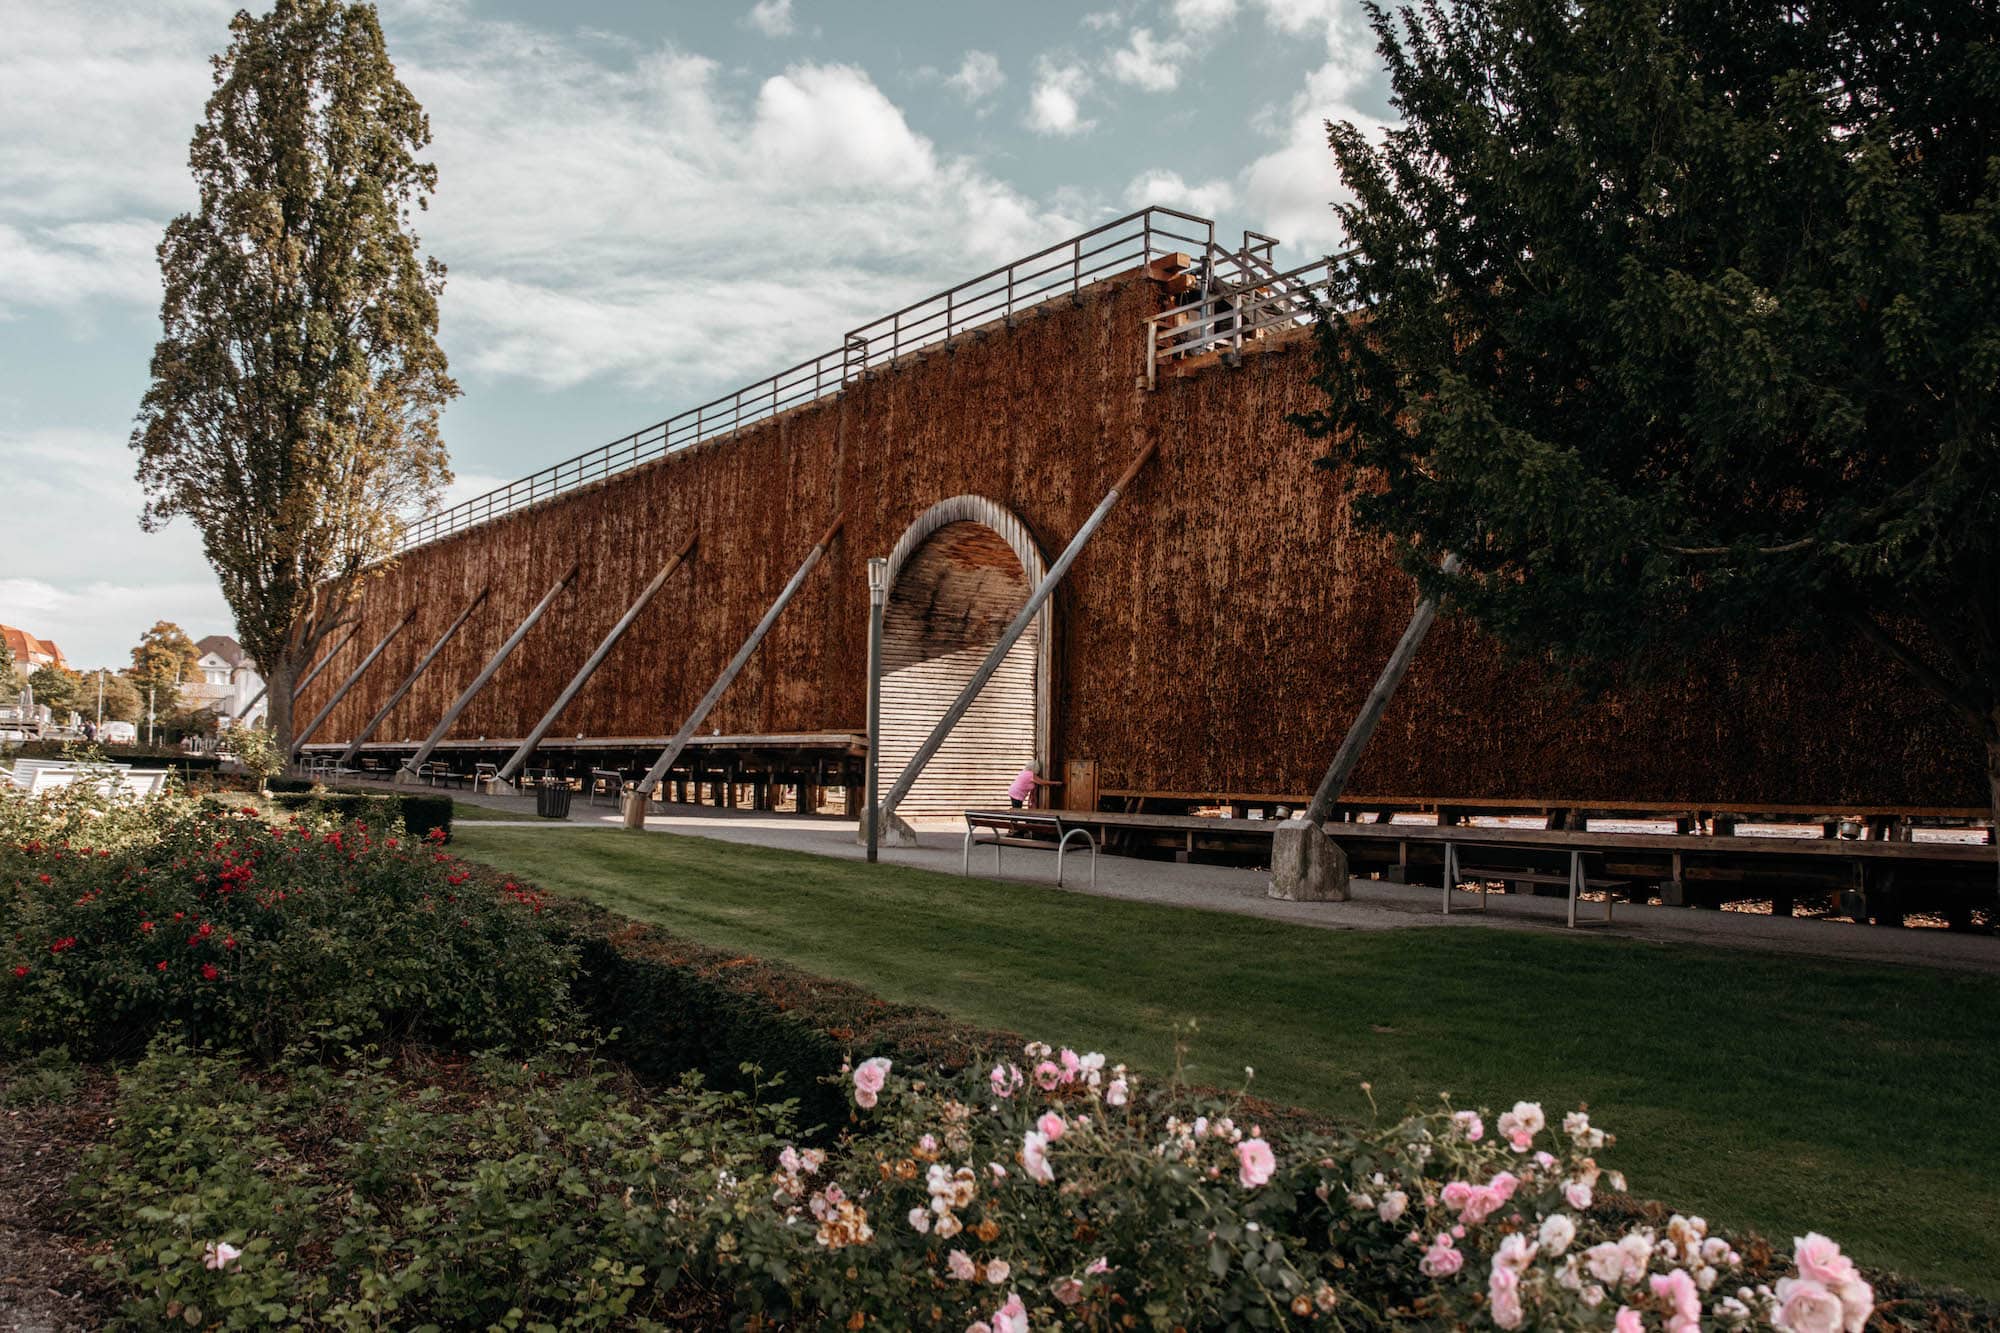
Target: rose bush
[(120, 920)]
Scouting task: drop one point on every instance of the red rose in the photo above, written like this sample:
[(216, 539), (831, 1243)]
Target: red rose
[(209, 972), (163, 965), (20, 971), (146, 927)]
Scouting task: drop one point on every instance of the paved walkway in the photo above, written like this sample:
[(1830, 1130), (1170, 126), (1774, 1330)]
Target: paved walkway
[(1375, 905)]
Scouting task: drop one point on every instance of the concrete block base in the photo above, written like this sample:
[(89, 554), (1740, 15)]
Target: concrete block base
[(404, 778), (634, 804), (895, 833), (1306, 865)]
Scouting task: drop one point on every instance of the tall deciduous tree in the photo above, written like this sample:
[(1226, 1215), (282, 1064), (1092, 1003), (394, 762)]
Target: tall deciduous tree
[(164, 660), (122, 701), (1682, 320), (56, 687), (293, 413)]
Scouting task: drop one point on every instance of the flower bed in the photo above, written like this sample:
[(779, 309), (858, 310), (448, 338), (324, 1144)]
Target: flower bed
[(249, 934)]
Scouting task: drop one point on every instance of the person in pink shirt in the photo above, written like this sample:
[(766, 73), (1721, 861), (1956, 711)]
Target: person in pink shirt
[(1022, 793)]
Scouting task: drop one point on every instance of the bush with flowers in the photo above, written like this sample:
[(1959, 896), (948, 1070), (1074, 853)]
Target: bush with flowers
[(1054, 1191), (120, 920)]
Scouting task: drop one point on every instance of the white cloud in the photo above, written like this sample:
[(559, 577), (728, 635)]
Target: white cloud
[(66, 265), (1148, 64), (1054, 107), (1203, 15), (1302, 15), (773, 18), (979, 76), (1290, 190), (1161, 186), (79, 570)]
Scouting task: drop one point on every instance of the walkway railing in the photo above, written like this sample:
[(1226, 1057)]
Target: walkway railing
[(1245, 299), (1064, 268)]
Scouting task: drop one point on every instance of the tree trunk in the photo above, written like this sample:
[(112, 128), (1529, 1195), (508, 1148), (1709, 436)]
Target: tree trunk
[(279, 682)]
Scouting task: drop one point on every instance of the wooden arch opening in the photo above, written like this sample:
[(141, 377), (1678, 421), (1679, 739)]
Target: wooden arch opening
[(957, 577)]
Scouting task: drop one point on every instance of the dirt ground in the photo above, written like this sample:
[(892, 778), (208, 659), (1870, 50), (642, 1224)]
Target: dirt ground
[(46, 1283)]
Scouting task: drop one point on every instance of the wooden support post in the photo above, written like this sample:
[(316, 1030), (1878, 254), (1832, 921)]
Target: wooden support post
[(299, 740), (589, 668), (423, 664), (1018, 627), (1349, 755), (479, 682), (729, 673)]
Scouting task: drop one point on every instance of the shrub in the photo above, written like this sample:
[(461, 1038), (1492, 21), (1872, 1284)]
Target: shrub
[(247, 934), (501, 1195), (420, 814), (1053, 1191)]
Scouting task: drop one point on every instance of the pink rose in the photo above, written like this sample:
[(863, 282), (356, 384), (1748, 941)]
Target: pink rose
[(219, 1254), (1035, 1157), (1011, 1317), (1821, 1260), (1578, 1194), (1470, 1125), (959, 1264), (1068, 1290), (1047, 1077), (869, 1077), (1098, 1265), (1677, 1286), (1071, 1065), (1628, 1321), (1456, 1194), (1481, 1204), (1114, 1092), (997, 1271), (979, 1326), (1442, 1259), (1806, 1306), (1504, 1185), (1503, 1293), (1005, 1079), (1857, 1300), (1051, 1125), (1255, 1163)]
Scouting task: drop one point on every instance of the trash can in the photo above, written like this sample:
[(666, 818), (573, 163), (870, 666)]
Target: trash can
[(552, 800)]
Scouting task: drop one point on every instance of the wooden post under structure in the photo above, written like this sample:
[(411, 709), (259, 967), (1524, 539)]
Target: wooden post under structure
[(729, 673), (589, 668), (466, 696), (1349, 755), (382, 713), (306, 679), (1013, 632), (299, 740)]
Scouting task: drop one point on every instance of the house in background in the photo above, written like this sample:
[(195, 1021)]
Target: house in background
[(229, 680), (29, 651)]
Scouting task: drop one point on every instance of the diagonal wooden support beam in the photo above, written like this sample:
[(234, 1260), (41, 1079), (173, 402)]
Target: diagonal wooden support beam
[(305, 732), (589, 668), (1012, 634), (354, 746), (306, 679), (466, 696), (729, 673), (1349, 754)]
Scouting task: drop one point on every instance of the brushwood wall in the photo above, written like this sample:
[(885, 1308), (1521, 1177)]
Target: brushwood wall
[(1216, 637)]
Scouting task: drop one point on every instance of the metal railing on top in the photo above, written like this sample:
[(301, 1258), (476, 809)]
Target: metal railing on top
[(1243, 299), (1064, 268)]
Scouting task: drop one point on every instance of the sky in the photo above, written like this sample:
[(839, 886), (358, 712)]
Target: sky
[(607, 169)]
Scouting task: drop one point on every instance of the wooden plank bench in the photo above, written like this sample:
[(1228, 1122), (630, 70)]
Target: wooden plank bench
[(1576, 881), (1010, 828)]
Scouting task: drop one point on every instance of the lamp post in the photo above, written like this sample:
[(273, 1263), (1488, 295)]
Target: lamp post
[(878, 594)]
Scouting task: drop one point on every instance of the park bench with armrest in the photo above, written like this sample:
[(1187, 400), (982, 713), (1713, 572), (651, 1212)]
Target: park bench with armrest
[(1013, 828)]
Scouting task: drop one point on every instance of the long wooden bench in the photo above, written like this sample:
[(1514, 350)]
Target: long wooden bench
[(1576, 881), (1010, 828)]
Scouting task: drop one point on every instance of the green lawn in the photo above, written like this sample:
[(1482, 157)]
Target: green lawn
[(1761, 1091), (463, 810)]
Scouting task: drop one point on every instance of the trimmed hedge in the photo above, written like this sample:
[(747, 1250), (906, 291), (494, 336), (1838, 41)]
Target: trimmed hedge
[(157, 756), (419, 813)]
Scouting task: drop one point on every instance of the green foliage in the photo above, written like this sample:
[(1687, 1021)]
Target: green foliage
[(257, 750), (422, 814), (505, 1195), (57, 688), (121, 699), (164, 660), (120, 918), (1679, 324), (48, 1077), (293, 411)]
